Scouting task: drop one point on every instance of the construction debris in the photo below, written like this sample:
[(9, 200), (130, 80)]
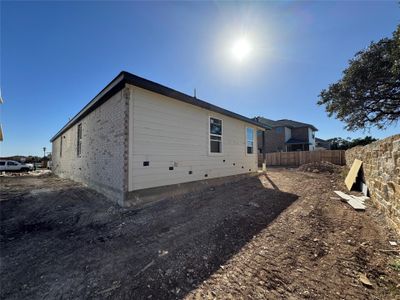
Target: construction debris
[(356, 202), (343, 195), (352, 175), (364, 189), (40, 172), (320, 167)]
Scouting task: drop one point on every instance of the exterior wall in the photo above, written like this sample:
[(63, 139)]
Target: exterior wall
[(311, 139), (300, 133), (169, 133), (275, 141), (288, 134), (381, 167), (104, 149)]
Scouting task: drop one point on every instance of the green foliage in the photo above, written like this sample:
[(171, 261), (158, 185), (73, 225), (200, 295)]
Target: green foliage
[(369, 92), (339, 143), (395, 264)]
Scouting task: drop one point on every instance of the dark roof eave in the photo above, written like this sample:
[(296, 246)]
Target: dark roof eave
[(166, 91), (118, 83), (298, 143), (294, 127)]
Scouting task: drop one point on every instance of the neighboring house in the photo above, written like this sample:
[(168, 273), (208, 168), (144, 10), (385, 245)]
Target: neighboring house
[(321, 144), (136, 136), (286, 135)]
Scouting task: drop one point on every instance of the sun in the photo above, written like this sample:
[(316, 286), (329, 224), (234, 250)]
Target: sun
[(241, 49)]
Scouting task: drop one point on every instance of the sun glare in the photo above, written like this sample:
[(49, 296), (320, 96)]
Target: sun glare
[(241, 49)]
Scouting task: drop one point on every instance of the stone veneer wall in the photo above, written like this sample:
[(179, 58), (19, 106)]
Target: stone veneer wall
[(381, 166)]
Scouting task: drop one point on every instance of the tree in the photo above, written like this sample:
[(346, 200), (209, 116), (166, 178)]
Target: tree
[(362, 141), (339, 143), (369, 92)]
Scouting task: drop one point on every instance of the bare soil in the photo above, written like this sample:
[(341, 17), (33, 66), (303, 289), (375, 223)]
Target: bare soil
[(279, 236)]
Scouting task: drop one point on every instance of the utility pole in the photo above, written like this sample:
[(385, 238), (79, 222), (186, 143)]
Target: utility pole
[(44, 152)]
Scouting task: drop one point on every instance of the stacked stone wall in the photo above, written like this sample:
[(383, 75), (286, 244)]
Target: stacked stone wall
[(381, 168)]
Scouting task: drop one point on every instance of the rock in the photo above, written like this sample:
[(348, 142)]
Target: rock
[(306, 294), (364, 279), (168, 272)]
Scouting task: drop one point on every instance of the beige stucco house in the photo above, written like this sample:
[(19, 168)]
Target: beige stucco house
[(137, 137)]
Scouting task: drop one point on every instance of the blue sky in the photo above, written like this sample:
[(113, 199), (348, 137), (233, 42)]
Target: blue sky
[(56, 56)]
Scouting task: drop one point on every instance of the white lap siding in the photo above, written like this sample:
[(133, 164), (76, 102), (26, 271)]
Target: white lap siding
[(101, 163), (169, 133)]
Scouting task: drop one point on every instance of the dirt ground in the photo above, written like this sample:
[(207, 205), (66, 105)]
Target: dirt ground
[(279, 236)]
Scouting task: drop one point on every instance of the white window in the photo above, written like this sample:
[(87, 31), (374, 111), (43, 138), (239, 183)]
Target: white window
[(215, 135), (249, 140), (79, 141)]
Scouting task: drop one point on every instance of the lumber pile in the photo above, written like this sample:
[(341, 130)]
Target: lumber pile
[(357, 202)]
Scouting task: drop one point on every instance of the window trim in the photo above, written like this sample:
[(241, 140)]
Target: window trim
[(246, 140), (209, 136), (79, 140)]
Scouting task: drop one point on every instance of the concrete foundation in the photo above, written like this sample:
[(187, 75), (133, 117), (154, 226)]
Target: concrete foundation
[(150, 195)]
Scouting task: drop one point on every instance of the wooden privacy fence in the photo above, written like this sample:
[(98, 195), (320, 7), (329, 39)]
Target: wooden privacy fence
[(298, 158)]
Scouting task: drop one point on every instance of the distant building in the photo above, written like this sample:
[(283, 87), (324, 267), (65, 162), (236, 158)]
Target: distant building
[(286, 135), (322, 144)]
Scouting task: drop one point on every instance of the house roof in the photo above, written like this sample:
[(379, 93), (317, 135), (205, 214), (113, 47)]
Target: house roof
[(284, 123), (118, 83), (318, 140)]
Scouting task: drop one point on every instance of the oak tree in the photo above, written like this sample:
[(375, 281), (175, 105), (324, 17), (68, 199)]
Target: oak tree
[(368, 94)]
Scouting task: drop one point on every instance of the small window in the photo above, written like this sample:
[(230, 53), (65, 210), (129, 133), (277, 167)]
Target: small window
[(215, 135), (279, 129), (2, 163), (12, 163), (249, 140), (79, 141), (61, 146)]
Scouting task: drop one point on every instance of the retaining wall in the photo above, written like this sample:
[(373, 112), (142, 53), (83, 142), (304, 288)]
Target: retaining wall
[(381, 167)]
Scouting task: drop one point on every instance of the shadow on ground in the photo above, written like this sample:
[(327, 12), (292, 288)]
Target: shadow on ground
[(63, 241)]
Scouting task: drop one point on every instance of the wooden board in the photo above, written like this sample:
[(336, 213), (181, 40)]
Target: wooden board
[(356, 204), (343, 195), (360, 198), (364, 189), (352, 176)]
